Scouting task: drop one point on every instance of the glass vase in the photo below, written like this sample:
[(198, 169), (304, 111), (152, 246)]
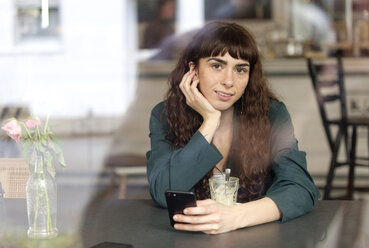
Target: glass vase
[(41, 201)]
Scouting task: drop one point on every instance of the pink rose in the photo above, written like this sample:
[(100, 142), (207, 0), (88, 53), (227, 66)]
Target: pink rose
[(13, 129), (33, 123)]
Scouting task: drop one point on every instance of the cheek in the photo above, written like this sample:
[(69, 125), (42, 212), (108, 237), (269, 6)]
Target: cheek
[(242, 85), (206, 83), (245, 86), (208, 79)]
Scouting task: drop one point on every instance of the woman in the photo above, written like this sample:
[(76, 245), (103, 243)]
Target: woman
[(219, 113)]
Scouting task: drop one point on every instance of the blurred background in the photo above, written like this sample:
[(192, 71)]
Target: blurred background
[(97, 68)]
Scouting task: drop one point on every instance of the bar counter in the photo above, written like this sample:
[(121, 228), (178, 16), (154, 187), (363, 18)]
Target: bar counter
[(276, 67)]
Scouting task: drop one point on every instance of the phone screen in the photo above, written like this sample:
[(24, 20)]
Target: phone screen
[(177, 201)]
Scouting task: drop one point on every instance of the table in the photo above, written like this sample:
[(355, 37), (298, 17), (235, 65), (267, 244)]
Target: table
[(142, 224)]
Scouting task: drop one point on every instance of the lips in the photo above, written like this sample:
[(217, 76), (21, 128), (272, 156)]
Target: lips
[(224, 96), (222, 93)]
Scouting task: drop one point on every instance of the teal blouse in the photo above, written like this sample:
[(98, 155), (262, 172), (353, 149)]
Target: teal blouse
[(292, 188)]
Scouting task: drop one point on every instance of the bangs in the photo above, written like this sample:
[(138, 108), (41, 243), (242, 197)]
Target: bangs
[(217, 41)]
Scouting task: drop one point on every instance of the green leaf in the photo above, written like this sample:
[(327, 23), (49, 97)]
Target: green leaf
[(54, 138), (60, 157), (49, 163), (51, 145), (27, 148), (54, 143), (43, 141)]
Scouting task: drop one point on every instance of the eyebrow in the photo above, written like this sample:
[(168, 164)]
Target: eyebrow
[(225, 62)]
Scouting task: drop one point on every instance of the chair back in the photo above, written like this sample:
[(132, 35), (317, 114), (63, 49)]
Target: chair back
[(14, 173), (328, 82)]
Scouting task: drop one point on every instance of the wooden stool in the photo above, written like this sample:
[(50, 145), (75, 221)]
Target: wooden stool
[(122, 166)]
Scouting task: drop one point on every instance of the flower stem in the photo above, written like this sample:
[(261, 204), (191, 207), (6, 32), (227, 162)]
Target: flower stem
[(38, 133), (39, 168), (36, 208), (25, 127), (46, 123), (49, 222)]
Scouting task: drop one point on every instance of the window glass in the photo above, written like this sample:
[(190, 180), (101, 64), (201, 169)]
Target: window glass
[(156, 22), (239, 9), (29, 19)]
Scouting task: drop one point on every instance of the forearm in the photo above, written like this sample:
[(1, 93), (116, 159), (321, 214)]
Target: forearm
[(183, 167), (257, 212)]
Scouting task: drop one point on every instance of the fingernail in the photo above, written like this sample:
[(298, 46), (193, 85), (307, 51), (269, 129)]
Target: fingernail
[(175, 217), (185, 211)]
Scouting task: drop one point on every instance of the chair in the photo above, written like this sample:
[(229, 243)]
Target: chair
[(327, 74), (14, 173), (343, 44), (123, 165), (126, 156)]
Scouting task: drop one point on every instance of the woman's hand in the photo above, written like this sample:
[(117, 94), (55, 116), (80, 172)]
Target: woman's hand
[(194, 98), (209, 217), (200, 104)]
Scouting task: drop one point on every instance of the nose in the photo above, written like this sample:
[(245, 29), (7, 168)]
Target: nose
[(228, 79)]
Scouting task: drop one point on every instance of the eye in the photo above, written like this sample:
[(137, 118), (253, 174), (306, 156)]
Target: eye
[(216, 66), (241, 70)]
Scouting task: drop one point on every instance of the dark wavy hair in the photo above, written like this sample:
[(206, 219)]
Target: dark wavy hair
[(249, 154)]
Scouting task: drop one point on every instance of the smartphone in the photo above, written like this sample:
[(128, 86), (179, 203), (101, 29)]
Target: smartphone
[(177, 201), (112, 245)]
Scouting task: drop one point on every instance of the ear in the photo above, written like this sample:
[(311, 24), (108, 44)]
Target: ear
[(191, 64)]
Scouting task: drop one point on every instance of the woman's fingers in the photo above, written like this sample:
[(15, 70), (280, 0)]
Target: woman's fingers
[(197, 219), (202, 208), (209, 217), (195, 83), (194, 98), (185, 78), (205, 212), (205, 202), (208, 228), (185, 85)]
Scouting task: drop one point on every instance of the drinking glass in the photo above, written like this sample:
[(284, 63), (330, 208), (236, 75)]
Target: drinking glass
[(224, 191)]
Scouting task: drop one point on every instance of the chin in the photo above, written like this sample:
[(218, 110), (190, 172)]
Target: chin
[(222, 107)]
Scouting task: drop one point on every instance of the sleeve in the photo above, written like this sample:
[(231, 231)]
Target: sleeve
[(292, 189), (183, 167)]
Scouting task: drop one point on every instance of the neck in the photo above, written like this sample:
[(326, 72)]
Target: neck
[(226, 118)]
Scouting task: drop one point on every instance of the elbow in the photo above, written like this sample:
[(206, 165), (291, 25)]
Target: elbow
[(158, 195), (157, 184), (294, 200), (158, 199), (303, 204)]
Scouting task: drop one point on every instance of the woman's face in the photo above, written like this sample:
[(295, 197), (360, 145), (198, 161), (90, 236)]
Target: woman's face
[(223, 80)]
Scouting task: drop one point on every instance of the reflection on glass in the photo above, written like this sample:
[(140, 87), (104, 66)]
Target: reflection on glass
[(156, 21), (237, 9)]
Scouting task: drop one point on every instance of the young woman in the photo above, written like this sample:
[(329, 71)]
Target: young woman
[(219, 113)]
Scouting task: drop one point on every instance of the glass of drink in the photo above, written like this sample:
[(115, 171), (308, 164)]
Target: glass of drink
[(222, 190)]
